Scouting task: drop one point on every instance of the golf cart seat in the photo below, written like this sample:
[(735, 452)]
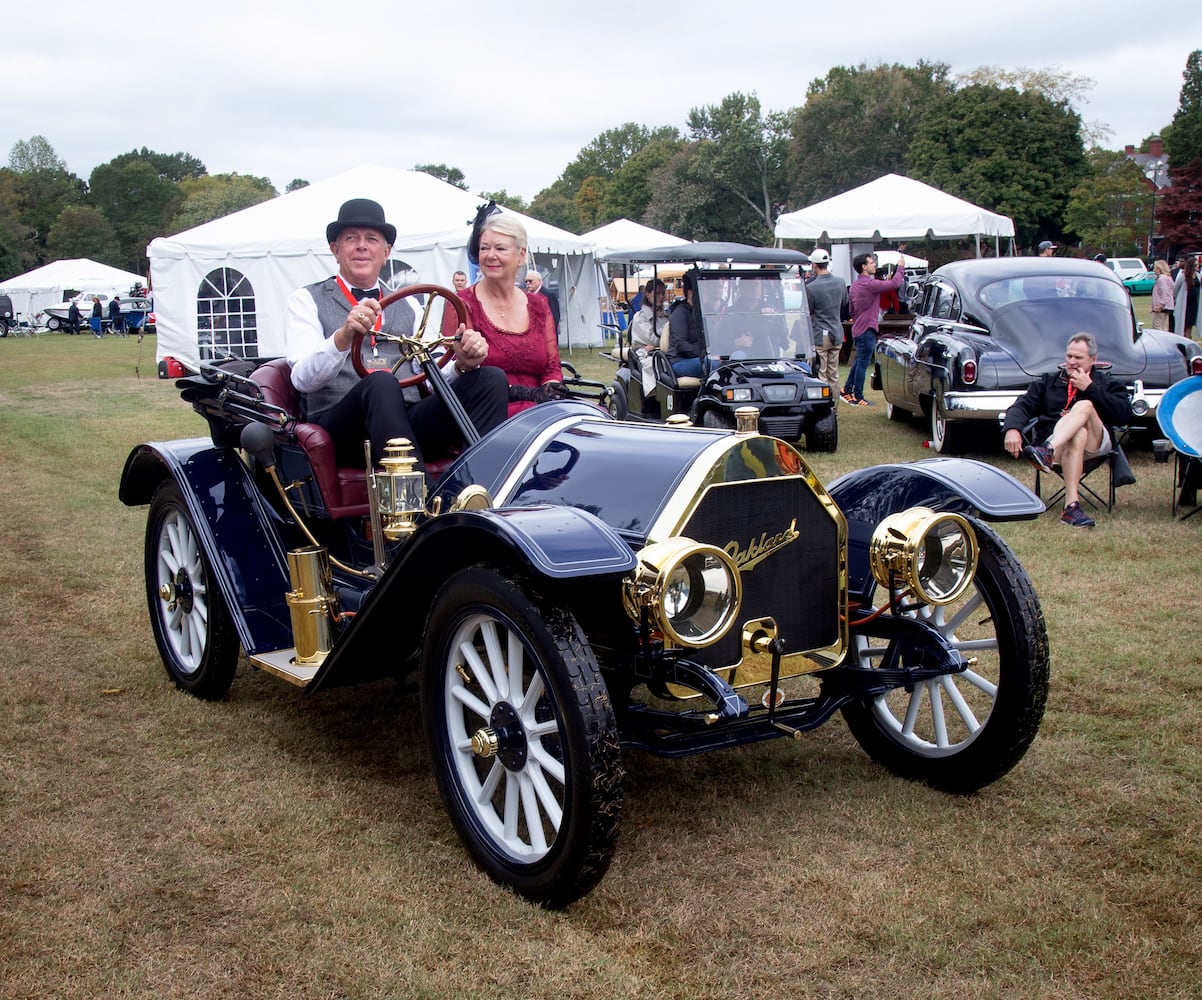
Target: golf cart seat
[(661, 364)]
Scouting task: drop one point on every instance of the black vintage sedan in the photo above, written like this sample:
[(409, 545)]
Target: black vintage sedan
[(984, 329)]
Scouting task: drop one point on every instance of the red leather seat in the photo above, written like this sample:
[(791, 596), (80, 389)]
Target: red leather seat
[(344, 490)]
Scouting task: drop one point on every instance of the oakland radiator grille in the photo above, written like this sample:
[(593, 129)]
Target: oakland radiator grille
[(793, 579)]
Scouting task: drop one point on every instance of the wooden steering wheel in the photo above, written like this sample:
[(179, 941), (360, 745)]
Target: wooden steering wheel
[(414, 346)]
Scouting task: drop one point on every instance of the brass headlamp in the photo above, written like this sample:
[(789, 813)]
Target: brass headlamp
[(691, 592), (933, 555)]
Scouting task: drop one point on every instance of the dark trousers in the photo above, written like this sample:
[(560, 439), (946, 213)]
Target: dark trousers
[(376, 409), (865, 344)]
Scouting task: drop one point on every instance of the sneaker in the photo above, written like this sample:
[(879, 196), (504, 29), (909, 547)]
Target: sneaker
[(1040, 456), (864, 402), (847, 397), (1074, 516)]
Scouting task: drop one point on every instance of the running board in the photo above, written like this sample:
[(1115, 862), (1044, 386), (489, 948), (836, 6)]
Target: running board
[(282, 663)]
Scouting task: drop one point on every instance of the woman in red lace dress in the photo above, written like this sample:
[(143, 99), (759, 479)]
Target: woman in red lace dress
[(518, 326)]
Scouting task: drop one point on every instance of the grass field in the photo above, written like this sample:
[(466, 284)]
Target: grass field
[(274, 845)]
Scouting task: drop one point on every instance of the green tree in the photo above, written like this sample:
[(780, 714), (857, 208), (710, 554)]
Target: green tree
[(604, 156), (216, 195), (1057, 85), (1110, 209), (168, 166), (588, 202), (34, 153), (83, 231), (296, 184), (43, 187), (15, 235), (629, 190), (503, 197), (602, 159), (740, 153), (1183, 139), (1018, 154), (556, 205), (686, 203), (451, 175), (857, 124), (138, 200)]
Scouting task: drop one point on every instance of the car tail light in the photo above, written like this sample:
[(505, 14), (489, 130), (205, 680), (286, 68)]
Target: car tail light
[(1195, 365), (968, 371)]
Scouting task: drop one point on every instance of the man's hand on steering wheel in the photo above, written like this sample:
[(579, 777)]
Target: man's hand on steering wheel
[(468, 344), (359, 323)]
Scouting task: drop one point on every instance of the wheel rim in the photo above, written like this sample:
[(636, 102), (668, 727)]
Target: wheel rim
[(504, 738), (183, 592), (938, 427), (940, 717)]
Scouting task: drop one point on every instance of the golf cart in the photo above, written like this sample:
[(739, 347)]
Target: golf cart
[(756, 339)]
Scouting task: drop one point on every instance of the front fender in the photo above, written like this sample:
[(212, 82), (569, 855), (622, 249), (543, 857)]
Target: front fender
[(553, 544), (234, 526), (961, 485)]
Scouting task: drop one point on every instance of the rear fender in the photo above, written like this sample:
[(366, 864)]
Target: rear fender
[(961, 485), (235, 527)]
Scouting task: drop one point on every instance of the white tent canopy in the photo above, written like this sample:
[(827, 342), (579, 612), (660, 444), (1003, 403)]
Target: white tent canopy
[(227, 281), (892, 208), (623, 234), (34, 290)]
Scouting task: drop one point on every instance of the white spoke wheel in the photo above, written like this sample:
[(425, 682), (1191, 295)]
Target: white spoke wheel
[(960, 732), (522, 737), (192, 625)]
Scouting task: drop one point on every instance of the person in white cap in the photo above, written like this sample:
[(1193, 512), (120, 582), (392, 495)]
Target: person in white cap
[(828, 301)]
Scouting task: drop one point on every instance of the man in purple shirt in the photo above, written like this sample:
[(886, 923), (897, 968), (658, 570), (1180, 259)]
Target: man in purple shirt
[(864, 297)]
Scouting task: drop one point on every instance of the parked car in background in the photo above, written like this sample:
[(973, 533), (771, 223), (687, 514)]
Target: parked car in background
[(56, 315), (1126, 267), (1140, 284), (984, 329)]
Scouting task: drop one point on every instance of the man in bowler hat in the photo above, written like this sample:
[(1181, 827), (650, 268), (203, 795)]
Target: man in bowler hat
[(320, 325)]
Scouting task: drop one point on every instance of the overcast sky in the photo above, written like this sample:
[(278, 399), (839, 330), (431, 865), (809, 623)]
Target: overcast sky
[(510, 93)]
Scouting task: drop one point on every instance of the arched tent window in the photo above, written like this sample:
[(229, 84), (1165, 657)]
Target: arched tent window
[(225, 316)]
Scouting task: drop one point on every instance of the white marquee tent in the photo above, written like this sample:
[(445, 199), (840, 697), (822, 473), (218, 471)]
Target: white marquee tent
[(44, 286), (227, 281), (893, 208), (623, 234)]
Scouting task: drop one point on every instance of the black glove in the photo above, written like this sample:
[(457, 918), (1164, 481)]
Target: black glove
[(545, 393), (551, 391)]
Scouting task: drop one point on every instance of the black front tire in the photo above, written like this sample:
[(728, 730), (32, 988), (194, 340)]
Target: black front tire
[(192, 624), (960, 732), (522, 736), (617, 406), (822, 433), (718, 419)]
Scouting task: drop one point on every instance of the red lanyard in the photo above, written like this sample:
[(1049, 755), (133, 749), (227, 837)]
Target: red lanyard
[(354, 302)]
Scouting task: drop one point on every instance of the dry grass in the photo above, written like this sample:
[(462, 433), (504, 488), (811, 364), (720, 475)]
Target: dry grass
[(276, 846)]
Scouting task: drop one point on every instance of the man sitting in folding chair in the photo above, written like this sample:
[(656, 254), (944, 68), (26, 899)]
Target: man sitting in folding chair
[(1071, 413)]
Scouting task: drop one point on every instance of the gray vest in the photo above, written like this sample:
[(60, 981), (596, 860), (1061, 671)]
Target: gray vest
[(332, 310)]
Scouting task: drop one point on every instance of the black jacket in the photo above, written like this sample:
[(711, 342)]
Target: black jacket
[(1046, 397)]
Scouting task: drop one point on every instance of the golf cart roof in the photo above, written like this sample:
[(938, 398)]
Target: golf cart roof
[(709, 253)]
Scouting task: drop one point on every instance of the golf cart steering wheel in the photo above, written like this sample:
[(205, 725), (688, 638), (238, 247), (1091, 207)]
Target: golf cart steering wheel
[(419, 335)]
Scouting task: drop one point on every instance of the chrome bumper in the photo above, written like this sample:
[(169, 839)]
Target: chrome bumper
[(993, 405)]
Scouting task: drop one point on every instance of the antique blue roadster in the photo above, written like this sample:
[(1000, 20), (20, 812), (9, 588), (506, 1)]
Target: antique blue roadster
[(571, 586)]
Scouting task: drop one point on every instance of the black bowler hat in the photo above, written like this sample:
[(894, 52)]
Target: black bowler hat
[(366, 214)]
